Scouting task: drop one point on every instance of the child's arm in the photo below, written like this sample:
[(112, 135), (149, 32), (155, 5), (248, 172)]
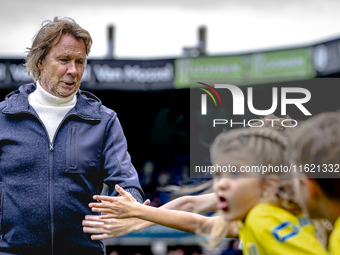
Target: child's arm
[(197, 204), (108, 228), (126, 207)]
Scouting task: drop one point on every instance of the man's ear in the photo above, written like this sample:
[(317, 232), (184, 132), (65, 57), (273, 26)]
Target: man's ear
[(40, 64)]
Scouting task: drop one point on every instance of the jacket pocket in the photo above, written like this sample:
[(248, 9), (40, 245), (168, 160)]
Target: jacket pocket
[(73, 147), (82, 155)]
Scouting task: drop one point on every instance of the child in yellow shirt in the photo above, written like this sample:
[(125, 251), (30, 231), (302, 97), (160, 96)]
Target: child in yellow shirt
[(317, 143)]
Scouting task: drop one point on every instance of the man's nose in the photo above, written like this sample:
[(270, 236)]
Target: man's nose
[(72, 69)]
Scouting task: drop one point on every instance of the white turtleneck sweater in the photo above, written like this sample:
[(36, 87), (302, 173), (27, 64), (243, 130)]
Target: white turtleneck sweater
[(51, 109)]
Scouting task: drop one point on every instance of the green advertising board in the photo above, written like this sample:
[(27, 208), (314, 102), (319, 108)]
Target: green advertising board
[(247, 69), (207, 67), (290, 64)]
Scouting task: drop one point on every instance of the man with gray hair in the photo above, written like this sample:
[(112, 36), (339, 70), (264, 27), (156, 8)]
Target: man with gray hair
[(58, 145)]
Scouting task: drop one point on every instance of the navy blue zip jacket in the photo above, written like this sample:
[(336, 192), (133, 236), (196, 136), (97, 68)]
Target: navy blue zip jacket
[(46, 187)]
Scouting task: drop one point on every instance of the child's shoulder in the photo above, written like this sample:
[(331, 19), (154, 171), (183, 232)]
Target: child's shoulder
[(274, 230), (270, 212), (269, 219)]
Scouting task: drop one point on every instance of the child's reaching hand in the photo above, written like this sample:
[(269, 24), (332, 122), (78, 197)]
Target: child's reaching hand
[(116, 207)]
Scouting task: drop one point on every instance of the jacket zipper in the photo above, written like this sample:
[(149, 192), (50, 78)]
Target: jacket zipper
[(51, 178), (51, 195)]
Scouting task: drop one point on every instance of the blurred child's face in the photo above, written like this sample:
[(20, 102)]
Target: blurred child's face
[(237, 196), (305, 190)]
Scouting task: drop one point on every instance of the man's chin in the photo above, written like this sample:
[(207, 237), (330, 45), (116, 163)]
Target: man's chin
[(66, 92)]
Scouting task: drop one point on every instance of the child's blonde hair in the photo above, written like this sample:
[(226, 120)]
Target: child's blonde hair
[(260, 145), (275, 123)]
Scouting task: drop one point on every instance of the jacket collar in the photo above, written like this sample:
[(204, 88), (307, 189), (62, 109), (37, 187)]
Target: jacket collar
[(87, 106)]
